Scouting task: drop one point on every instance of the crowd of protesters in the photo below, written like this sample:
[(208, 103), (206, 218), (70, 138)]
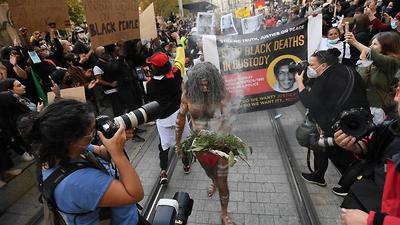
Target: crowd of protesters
[(112, 75)]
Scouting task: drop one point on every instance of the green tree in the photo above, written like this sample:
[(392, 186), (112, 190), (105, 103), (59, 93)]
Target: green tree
[(162, 7), (76, 12)]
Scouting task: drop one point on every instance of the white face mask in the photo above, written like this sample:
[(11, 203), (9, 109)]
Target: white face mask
[(82, 36), (334, 41), (311, 73), (393, 24)]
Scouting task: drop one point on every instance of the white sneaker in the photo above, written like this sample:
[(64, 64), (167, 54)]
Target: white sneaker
[(13, 172), (27, 157), (2, 183)]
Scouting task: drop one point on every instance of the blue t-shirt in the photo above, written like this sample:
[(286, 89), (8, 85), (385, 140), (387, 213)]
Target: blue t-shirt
[(81, 192)]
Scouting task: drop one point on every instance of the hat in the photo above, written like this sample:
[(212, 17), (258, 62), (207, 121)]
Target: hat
[(397, 17), (161, 63)]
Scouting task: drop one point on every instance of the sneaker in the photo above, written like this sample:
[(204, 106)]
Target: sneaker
[(340, 191), (27, 157), (13, 172), (310, 178), (163, 177), (186, 169), (2, 183)]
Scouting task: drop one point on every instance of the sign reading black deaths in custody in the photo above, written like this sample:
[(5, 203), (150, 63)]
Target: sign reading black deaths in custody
[(110, 21), (255, 66)]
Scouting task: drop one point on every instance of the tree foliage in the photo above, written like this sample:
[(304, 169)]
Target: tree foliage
[(162, 7), (76, 12)]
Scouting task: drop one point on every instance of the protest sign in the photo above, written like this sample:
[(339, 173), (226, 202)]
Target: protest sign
[(227, 25), (262, 11), (148, 28), (255, 66), (205, 23), (37, 14), (251, 24), (77, 93), (111, 21)]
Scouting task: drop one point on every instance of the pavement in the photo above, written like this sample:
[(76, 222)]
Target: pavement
[(259, 194)]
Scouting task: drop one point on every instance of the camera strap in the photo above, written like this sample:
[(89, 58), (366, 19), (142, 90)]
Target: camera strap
[(346, 93)]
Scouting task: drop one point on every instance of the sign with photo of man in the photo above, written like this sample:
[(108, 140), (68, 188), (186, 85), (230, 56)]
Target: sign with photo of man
[(227, 25), (205, 23), (252, 24), (255, 66)]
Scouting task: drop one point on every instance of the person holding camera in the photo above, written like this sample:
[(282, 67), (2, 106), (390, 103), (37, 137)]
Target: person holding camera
[(323, 101), (371, 198), (60, 135)]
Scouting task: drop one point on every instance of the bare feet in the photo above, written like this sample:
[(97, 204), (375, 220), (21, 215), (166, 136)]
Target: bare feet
[(211, 190), (226, 220)]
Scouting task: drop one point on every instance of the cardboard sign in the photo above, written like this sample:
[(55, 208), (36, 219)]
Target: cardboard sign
[(37, 14), (148, 28), (110, 21), (77, 93)]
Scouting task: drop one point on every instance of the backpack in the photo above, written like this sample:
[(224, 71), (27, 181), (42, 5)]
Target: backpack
[(52, 215)]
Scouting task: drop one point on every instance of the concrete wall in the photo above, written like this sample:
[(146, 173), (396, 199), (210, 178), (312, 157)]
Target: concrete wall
[(7, 32)]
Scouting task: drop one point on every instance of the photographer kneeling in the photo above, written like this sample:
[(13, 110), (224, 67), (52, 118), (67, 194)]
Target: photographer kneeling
[(323, 99), (373, 190), (60, 135)]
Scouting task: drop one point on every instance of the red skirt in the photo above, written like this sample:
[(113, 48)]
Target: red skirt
[(208, 159)]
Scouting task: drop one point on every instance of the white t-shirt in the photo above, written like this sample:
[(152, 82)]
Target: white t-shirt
[(324, 45)]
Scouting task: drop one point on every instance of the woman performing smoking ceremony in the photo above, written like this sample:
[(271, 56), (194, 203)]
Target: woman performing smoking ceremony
[(205, 98)]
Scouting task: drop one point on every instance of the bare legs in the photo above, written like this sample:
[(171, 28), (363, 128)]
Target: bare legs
[(219, 176)]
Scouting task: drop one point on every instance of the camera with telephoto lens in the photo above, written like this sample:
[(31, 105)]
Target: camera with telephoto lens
[(131, 119), (298, 67), (355, 122)]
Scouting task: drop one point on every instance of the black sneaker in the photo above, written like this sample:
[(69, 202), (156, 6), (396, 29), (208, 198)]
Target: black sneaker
[(163, 177), (310, 178), (340, 191), (186, 169)]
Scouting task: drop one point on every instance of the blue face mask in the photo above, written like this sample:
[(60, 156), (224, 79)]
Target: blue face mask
[(393, 24), (334, 41)]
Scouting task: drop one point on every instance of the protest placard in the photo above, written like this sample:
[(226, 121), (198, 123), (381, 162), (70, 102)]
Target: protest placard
[(205, 23), (255, 66), (227, 25), (251, 24), (148, 28), (77, 93), (31, 14), (111, 21)]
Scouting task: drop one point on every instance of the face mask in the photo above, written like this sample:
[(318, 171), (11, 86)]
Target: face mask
[(284, 20), (173, 55), (82, 36), (334, 41), (70, 48), (46, 53), (393, 24), (311, 73)]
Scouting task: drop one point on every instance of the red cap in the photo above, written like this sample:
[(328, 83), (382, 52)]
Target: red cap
[(159, 59)]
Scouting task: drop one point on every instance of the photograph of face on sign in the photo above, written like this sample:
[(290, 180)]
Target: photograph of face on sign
[(285, 81), (262, 11), (227, 25), (252, 24), (205, 23)]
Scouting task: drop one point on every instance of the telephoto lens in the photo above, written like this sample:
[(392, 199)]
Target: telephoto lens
[(144, 114)]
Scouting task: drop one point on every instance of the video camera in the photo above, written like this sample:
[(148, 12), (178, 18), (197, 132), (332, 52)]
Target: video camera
[(131, 119), (175, 211)]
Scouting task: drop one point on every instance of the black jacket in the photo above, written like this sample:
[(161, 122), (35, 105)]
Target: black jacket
[(167, 92), (322, 99)]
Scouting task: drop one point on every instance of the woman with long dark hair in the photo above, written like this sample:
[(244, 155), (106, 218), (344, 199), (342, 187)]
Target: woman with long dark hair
[(60, 134)]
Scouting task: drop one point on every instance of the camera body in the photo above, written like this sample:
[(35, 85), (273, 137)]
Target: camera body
[(356, 122), (299, 67), (131, 119)]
